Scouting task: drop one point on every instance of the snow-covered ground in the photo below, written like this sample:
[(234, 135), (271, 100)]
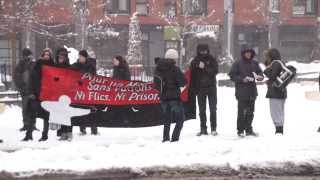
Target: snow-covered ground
[(137, 148)]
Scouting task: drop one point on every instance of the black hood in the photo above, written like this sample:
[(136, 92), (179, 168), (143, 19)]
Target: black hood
[(248, 50), (63, 51), (202, 47), (274, 54)]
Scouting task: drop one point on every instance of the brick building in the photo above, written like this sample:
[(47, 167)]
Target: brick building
[(169, 24)]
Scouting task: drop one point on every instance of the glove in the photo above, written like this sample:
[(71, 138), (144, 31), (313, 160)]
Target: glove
[(248, 79), (32, 96)]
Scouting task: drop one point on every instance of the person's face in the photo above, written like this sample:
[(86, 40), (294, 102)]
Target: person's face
[(248, 55), (61, 59), (116, 62), (82, 59), (46, 56), (203, 52)]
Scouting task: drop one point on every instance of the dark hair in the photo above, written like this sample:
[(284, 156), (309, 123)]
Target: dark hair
[(62, 52), (121, 60), (84, 53)]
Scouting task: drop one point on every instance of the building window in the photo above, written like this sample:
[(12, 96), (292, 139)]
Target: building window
[(194, 7), (118, 6), (170, 9), (142, 7), (304, 7), (275, 5)]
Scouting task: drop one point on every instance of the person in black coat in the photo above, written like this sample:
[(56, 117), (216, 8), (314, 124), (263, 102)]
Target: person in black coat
[(245, 72), (22, 81), (83, 65), (62, 61), (169, 80), (120, 69), (276, 95), (204, 68), (38, 111)]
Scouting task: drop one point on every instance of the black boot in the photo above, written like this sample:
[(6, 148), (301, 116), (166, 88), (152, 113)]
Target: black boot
[(1, 141), (44, 137), (279, 130), (28, 136)]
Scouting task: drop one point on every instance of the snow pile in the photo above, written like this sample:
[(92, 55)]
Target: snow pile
[(137, 148), (73, 54)]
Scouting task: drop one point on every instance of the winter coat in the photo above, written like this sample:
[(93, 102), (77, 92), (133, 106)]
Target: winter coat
[(121, 72), (203, 78), (168, 79), (241, 69), (22, 76), (37, 75), (84, 68), (272, 72)]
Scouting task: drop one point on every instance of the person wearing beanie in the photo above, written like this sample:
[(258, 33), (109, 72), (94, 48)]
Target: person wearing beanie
[(22, 80), (245, 72), (83, 65), (169, 80), (277, 96), (204, 69), (46, 58)]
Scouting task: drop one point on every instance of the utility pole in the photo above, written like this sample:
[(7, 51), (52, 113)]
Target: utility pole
[(274, 22), (228, 28)]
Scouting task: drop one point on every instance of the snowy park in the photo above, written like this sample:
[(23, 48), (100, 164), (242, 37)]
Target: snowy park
[(142, 147)]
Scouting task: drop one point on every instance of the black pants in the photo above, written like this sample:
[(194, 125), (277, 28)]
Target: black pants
[(172, 111), (94, 129), (245, 115), (39, 112), (211, 94), (27, 112)]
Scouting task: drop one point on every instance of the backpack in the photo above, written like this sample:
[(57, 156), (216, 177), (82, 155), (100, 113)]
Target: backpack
[(286, 76)]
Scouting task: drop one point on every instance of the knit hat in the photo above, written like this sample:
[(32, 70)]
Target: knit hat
[(83, 53), (171, 54), (26, 52)]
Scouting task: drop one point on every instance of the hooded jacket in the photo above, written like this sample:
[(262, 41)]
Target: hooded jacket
[(85, 67), (272, 72), (168, 80), (23, 74), (203, 78), (245, 68)]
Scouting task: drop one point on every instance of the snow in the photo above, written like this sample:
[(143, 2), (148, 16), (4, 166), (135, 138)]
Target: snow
[(142, 147), (73, 54)]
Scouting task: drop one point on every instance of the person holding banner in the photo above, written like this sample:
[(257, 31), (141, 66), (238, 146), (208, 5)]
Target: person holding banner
[(83, 65), (62, 61), (169, 80), (120, 69), (38, 111)]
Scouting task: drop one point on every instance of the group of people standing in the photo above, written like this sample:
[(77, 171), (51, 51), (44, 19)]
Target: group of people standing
[(169, 81), (245, 72), (27, 79)]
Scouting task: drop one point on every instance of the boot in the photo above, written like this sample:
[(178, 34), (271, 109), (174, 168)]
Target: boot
[(279, 130), (69, 136), (63, 137), (1, 141), (94, 131), (28, 136), (44, 137)]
